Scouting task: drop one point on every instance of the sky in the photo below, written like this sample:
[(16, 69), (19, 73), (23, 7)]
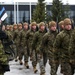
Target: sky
[(64, 1)]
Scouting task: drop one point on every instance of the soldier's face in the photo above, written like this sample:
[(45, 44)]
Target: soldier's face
[(7, 28), (26, 27), (53, 28), (62, 26), (15, 27), (42, 28), (33, 27), (20, 27), (68, 27)]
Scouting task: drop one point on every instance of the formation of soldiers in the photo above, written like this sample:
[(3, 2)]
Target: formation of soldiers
[(42, 42)]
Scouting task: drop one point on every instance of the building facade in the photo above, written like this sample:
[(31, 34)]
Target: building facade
[(22, 11)]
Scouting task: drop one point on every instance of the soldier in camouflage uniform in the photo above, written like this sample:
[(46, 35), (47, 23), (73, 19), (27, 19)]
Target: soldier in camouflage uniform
[(36, 46), (61, 46), (9, 39), (3, 57), (23, 44), (15, 33), (72, 52), (47, 45), (18, 41), (29, 37)]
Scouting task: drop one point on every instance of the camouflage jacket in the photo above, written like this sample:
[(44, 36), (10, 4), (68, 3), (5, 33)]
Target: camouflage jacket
[(48, 41), (72, 47), (38, 40), (61, 45), (3, 57), (17, 37), (29, 37), (23, 37)]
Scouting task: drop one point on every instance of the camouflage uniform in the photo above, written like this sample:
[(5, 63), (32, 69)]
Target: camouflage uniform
[(15, 33), (3, 60), (47, 46), (19, 46), (36, 46), (8, 40), (61, 46), (72, 52), (23, 44), (29, 38)]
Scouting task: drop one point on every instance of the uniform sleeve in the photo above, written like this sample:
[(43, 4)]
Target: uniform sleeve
[(72, 46), (44, 42), (57, 46), (35, 40)]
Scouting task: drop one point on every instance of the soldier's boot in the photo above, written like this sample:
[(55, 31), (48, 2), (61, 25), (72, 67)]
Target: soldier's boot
[(31, 58), (21, 63), (34, 69), (26, 64), (42, 74), (16, 59)]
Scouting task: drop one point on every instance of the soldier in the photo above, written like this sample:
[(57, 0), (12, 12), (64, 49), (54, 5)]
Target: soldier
[(18, 41), (61, 46), (29, 37), (72, 52), (61, 25), (23, 44), (8, 40), (3, 57), (15, 33), (47, 45), (36, 46)]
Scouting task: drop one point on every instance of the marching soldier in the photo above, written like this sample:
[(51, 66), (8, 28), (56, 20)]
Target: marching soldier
[(36, 46), (47, 45), (15, 33), (61, 46), (20, 49), (23, 44), (29, 37)]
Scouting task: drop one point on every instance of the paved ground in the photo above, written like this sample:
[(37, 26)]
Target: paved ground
[(16, 69)]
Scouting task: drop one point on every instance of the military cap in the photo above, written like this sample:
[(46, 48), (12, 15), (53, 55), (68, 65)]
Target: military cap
[(25, 23), (61, 23), (11, 26), (41, 24), (14, 25), (67, 21), (19, 24), (52, 23), (33, 23)]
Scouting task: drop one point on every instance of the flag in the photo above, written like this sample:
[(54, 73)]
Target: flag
[(3, 14)]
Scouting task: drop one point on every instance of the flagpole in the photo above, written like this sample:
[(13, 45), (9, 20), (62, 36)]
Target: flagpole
[(14, 12), (30, 12), (17, 13)]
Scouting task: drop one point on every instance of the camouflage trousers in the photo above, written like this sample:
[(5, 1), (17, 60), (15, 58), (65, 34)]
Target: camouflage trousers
[(54, 66), (20, 52), (44, 58), (26, 54), (37, 57), (34, 58), (72, 68), (66, 68)]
